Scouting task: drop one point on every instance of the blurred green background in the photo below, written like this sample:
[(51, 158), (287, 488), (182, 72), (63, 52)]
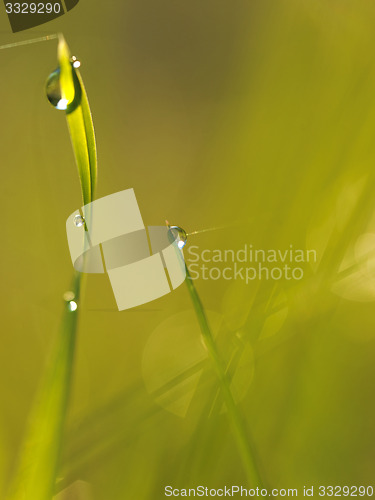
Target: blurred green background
[(254, 115)]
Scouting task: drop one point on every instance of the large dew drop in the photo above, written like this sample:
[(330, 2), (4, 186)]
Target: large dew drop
[(54, 94), (178, 235)]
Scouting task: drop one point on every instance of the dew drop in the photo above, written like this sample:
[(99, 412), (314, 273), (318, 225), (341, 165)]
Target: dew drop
[(68, 296), (78, 221), (54, 94), (178, 235), (75, 62), (73, 306)]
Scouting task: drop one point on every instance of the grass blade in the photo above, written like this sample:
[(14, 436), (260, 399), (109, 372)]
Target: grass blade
[(37, 470), (238, 427), (81, 127), (35, 477)]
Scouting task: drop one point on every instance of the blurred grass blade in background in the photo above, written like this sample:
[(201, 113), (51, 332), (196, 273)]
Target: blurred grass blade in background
[(37, 469), (35, 476)]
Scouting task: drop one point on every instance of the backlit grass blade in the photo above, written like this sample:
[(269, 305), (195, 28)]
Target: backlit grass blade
[(37, 469), (80, 123), (242, 439), (35, 476), (238, 426)]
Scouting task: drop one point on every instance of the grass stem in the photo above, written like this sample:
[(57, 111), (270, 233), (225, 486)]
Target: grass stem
[(39, 460), (238, 426)]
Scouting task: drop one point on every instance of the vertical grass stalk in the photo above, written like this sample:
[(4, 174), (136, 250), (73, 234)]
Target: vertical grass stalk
[(38, 464), (238, 427), (36, 472)]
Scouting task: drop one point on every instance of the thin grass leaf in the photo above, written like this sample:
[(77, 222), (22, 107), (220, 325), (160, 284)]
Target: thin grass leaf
[(238, 427), (35, 476), (241, 436), (80, 122)]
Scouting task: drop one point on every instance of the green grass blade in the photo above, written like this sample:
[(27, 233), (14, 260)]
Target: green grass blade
[(244, 445), (35, 476), (80, 123), (238, 427), (37, 469)]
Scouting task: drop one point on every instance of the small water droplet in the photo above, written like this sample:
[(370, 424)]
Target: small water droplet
[(75, 62), (73, 306), (68, 296), (54, 94), (178, 235), (78, 221)]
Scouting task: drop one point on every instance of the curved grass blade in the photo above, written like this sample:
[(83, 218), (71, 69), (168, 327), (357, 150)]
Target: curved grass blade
[(35, 477), (80, 123)]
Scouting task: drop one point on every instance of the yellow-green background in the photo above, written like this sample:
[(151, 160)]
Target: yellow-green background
[(256, 115)]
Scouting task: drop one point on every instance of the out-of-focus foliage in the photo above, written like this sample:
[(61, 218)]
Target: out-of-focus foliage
[(254, 115)]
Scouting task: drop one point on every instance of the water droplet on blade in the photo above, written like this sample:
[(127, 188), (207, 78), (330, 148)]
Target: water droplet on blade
[(68, 296), (78, 221), (54, 93), (178, 235), (75, 62), (73, 306)]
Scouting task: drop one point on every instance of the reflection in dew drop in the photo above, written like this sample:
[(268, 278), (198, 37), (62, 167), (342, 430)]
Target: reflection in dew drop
[(178, 235), (73, 306), (78, 221), (54, 94), (75, 62)]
